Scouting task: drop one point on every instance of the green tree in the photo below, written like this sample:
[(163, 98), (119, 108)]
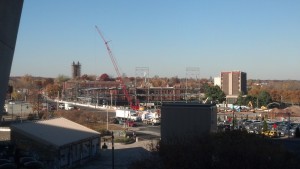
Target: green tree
[(265, 126), (240, 100), (264, 98), (214, 93), (245, 99), (234, 121)]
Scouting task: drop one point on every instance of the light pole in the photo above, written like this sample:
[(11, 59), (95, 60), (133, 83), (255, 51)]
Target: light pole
[(233, 119), (107, 117), (97, 101), (110, 99), (289, 124), (112, 148), (12, 112), (21, 113)]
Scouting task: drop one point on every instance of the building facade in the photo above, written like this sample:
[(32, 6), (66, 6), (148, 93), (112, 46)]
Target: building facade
[(233, 84), (187, 121), (112, 92), (10, 15)]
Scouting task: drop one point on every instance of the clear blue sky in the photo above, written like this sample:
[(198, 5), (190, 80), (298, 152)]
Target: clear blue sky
[(259, 37)]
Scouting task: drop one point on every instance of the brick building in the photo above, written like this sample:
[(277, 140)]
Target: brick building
[(232, 84)]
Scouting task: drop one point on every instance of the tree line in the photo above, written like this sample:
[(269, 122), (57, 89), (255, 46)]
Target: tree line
[(260, 92)]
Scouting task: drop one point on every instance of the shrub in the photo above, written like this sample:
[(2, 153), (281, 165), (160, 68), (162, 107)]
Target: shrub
[(124, 140), (225, 150), (297, 132)]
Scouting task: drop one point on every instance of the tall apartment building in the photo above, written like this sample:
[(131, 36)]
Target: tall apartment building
[(233, 83)]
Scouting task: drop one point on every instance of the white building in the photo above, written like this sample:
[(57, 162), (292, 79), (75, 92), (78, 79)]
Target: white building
[(217, 81)]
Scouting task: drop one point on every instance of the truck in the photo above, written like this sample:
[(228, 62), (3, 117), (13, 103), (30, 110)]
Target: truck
[(153, 121), (150, 117), (127, 114), (69, 106)]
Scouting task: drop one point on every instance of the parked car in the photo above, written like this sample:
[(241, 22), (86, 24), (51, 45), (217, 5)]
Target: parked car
[(52, 107), (120, 120), (282, 132), (270, 133), (131, 123), (273, 134), (61, 106)]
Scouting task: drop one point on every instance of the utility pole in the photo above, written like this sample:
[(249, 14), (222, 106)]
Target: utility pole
[(38, 107), (186, 89), (57, 101), (142, 73), (12, 112), (191, 72), (97, 100), (110, 99), (112, 150), (107, 117)]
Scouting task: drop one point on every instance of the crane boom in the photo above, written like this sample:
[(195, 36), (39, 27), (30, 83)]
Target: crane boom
[(113, 60)]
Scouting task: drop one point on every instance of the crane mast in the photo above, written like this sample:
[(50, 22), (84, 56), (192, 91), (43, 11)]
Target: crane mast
[(113, 60)]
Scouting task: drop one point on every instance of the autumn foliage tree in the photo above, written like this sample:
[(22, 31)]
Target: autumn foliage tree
[(104, 77), (52, 90), (286, 91)]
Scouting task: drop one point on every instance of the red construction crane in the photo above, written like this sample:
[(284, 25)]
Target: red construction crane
[(113, 60)]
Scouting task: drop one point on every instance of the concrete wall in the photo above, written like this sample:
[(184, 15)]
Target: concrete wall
[(183, 121), (10, 14)]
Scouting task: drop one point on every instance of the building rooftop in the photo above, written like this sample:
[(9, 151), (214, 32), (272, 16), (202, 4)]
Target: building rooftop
[(57, 132)]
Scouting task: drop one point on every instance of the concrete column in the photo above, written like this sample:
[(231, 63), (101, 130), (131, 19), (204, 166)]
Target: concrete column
[(10, 14)]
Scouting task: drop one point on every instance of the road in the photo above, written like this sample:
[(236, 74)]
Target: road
[(142, 131), (147, 132)]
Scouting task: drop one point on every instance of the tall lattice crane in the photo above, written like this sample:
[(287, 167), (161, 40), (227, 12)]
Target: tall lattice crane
[(113, 60)]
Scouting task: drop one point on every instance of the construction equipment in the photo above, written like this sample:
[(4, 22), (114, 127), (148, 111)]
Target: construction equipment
[(250, 105), (113, 60)]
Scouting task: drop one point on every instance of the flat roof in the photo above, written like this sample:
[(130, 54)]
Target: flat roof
[(57, 132), (187, 104)]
